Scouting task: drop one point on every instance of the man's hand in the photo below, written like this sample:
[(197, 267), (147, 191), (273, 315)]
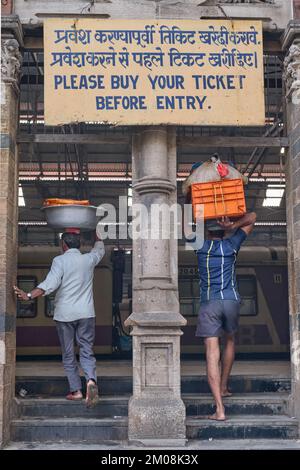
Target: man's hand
[(97, 238), (20, 293), (225, 223)]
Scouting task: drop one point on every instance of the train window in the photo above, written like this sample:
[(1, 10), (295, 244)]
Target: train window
[(248, 292), (188, 286), (49, 305), (27, 308), (196, 288), (185, 288), (196, 306), (187, 308), (189, 295)]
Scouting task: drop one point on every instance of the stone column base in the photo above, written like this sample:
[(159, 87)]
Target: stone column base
[(162, 415), (156, 411)]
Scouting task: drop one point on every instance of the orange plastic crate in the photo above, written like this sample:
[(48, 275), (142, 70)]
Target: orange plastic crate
[(220, 198)]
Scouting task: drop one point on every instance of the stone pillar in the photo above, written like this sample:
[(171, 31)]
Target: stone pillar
[(6, 7), (10, 70), (296, 9), (156, 411), (291, 46)]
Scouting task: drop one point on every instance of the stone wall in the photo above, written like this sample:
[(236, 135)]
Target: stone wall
[(275, 13), (297, 9)]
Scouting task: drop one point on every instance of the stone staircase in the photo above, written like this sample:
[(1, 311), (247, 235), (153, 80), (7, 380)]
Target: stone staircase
[(258, 409)]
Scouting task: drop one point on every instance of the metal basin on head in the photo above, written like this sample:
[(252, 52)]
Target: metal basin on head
[(71, 216)]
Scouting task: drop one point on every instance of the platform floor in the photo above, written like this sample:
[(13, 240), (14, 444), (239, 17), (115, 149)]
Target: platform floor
[(113, 368), (213, 444)]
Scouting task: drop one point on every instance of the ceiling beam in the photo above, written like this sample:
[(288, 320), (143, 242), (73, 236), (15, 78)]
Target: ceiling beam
[(189, 141), (237, 142), (72, 139)]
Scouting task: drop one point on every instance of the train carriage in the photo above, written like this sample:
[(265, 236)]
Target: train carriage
[(262, 282)]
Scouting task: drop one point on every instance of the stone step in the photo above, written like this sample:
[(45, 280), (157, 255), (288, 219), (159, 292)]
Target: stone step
[(275, 403), (85, 430), (110, 406), (238, 384), (194, 444), (58, 386), (91, 430), (243, 427)]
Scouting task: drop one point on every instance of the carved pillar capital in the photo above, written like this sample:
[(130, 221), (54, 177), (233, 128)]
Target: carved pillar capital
[(11, 57), (291, 72), (11, 61), (291, 64)]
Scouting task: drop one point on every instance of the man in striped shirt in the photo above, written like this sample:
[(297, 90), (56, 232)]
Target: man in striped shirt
[(220, 300)]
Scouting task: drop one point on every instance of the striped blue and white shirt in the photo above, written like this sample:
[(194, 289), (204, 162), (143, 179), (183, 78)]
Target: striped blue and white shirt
[(216, 264)]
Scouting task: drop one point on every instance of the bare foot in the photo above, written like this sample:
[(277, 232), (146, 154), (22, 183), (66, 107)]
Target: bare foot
[(226, 393), (74, 395), (92, 396), (217, 416)]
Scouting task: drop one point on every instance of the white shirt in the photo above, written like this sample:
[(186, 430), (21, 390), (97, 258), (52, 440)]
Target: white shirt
[(72, 274)]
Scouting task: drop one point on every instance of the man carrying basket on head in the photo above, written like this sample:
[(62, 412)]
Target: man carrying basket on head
[(220, 300), (71, 276)]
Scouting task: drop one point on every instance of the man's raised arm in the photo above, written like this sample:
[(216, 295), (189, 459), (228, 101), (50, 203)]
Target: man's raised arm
[(246, 223), (98, 250)]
